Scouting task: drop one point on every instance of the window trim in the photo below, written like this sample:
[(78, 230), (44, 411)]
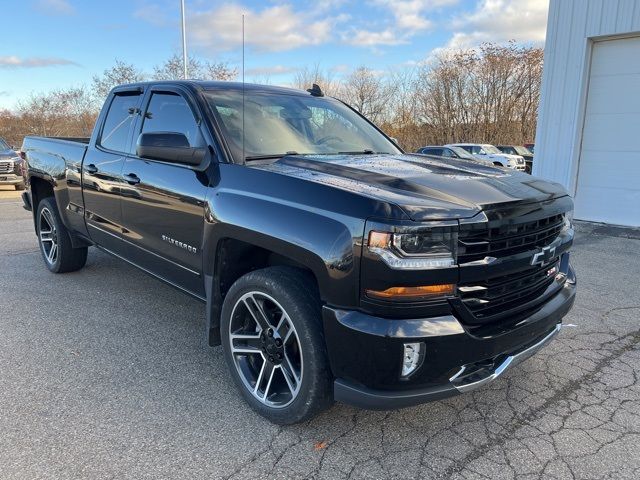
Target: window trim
[(195, 111), (120, 92)]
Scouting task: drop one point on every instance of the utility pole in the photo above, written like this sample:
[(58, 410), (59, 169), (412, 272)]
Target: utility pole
[(184, 41)]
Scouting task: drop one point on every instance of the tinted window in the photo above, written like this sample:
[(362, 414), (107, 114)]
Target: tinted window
[(3, 145), (171, 113), (432, 151), (448, 153), (117, 124)]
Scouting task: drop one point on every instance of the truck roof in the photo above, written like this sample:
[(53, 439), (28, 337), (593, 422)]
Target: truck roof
[(215, 85)]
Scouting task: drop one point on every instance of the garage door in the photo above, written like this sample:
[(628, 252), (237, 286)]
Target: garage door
[(608, 188)]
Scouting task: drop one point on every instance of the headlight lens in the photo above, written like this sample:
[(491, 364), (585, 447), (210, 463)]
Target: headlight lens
[(416, 250), (568, 221)]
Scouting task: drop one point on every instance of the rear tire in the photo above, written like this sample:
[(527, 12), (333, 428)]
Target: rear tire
[(273, 343), (55, 241)]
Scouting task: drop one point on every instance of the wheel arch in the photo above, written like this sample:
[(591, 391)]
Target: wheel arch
[(239, 251)]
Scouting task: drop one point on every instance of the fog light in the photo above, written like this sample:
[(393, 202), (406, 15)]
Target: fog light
[(413, 353)]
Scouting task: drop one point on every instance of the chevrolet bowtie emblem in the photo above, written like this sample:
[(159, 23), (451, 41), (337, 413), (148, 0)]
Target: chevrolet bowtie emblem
[(544, 256)]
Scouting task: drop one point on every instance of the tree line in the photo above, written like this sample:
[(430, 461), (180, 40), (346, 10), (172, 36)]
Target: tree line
[(487, 94)]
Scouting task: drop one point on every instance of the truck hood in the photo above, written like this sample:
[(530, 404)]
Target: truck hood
[(7, 154), (424, 187)]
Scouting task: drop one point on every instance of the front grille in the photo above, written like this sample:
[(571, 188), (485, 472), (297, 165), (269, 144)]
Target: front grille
[(507, 239), (500, 294), (6, 167)]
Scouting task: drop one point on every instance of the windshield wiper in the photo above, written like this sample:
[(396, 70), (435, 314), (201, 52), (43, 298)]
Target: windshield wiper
[(366, 151), (270, 156)]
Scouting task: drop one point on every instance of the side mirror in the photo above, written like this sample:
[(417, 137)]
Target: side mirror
[(170, 147)]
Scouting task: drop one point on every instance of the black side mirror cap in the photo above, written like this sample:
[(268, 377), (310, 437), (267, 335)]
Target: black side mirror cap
[(169, 147)]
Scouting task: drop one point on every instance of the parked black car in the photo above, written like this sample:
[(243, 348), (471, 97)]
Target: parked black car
[(10, 167), (332, 265), (524, 152)]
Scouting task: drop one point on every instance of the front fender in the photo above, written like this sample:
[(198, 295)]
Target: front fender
[(327, 243)]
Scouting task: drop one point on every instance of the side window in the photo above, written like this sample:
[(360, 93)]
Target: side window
[(447, 153), (170, 113), (117, 124)]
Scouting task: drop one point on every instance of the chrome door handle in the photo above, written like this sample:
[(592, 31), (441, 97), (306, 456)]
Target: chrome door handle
[(132, 179)]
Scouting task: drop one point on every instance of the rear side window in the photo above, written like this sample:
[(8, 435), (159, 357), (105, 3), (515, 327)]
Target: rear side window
[(170, 113), (117, 124)]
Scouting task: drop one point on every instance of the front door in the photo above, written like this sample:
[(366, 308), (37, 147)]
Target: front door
[(163, 203), (102, 171)]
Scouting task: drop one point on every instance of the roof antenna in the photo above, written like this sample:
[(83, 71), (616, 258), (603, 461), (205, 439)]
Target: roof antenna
[(243, 151), (315, 90)]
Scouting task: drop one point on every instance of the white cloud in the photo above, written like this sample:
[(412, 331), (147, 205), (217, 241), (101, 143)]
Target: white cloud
[(62, 7), (152, 13), (500, 21), (275, 70), (32, 62), (409, 18), (368, 38), (274, 28), (411, 15)]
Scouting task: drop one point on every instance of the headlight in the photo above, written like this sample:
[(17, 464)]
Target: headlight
[(568, 221), (416, 250)]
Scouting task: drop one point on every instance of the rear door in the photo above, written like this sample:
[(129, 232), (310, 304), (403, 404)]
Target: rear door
[(163, 203), (102, 179)]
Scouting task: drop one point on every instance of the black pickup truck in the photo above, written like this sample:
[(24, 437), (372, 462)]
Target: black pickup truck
[(333, 266)]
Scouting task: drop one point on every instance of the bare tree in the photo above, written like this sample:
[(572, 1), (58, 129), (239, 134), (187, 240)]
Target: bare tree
[(307, 76), (119, 74), (172, 69), (220, 71), (67, 112), (368, 92), (485, 94)]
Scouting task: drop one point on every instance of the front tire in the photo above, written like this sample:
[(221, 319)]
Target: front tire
[(55, 241), (274, 345)]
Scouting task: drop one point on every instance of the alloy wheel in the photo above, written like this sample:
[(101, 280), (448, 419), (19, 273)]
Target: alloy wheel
[(266, 349), (48, 235)]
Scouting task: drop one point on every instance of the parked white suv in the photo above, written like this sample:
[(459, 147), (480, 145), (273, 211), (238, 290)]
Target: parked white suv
[(491, 153)]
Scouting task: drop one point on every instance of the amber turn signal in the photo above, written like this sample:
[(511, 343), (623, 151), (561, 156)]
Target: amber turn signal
[(412, 293), (379, 239)]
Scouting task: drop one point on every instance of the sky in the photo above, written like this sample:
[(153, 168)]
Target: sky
[(49, 44)]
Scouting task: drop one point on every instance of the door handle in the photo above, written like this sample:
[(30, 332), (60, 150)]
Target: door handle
[(132, 179), (91, 168)]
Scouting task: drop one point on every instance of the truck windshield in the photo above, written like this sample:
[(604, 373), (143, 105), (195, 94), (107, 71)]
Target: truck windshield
[(3, 145), (279, 124)]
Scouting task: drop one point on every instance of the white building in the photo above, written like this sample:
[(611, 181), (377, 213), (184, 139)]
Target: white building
[(588, 134)]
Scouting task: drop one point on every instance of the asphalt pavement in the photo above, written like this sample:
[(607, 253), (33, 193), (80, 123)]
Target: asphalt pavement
[(105, 373)]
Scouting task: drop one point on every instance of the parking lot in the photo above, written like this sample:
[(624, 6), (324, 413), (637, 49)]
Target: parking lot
[(105, 373)]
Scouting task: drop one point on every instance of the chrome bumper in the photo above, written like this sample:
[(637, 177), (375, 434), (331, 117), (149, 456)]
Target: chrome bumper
[(476, 379)]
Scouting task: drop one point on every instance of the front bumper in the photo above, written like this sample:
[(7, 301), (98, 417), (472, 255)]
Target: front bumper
[(11, 179), (365, 352)]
